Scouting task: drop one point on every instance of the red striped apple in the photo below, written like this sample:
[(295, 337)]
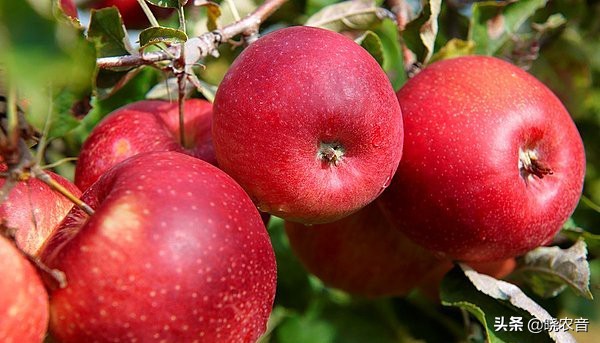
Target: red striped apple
[(308, 123), (34, 210), (23, 299), (175, 252), (361, 254), (493, 164), (143, 126)]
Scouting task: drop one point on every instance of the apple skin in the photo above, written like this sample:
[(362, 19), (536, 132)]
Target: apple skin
[(289, 106), (143, 126), (464, 187), (131, 12), (34, 210), (68, 6), (175, 251), (23, 299), (361, 254)]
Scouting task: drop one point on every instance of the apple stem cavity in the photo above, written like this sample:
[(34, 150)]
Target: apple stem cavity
[(330, 153), (530, 165)]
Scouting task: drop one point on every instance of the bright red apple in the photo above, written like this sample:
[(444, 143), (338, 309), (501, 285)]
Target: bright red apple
[(34, 210), (23, 299), (361, 254), (131, 12), (307, 122), (68, 6), (143, 126), (175, 252), (493, 164)]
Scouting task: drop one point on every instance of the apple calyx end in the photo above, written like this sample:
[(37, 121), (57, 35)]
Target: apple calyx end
[(530, 165), (330, 153)]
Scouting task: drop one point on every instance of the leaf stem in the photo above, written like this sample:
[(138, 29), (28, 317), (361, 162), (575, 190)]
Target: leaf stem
[(148, 13), (181, 14), (590, 203)]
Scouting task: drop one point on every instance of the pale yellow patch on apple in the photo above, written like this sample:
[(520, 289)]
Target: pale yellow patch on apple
[(122, 222), (121, 147)]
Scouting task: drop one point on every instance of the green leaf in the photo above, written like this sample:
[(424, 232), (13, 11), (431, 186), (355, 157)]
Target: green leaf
[(213, 12), (314, 6), (549, 270), (492, 301), (108, 32), (429, 30), (393, 63), (371, 42), (348, 15), (37, 50), (454, 48), (492, 23), (302, 329), (165, 3), (155, 35), (63, 120), (574, 233)]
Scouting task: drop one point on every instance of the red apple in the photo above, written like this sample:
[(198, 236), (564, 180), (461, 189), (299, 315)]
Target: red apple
[(143, 126), (34, 210), (131, 12), (68, 6), (307, 122), (175, 252), (361, 254), (493, 164), (23, 299)]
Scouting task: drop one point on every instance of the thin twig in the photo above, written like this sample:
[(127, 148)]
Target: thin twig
[(58, 163)]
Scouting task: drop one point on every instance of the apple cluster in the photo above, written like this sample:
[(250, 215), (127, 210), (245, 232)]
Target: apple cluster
[(380, 191)]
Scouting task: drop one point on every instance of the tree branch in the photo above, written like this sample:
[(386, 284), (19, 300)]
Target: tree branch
[(197, 47)]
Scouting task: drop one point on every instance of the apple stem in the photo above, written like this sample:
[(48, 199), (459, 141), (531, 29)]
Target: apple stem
[(529, 164), (45, 178), (148, 13), (181, 81)]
